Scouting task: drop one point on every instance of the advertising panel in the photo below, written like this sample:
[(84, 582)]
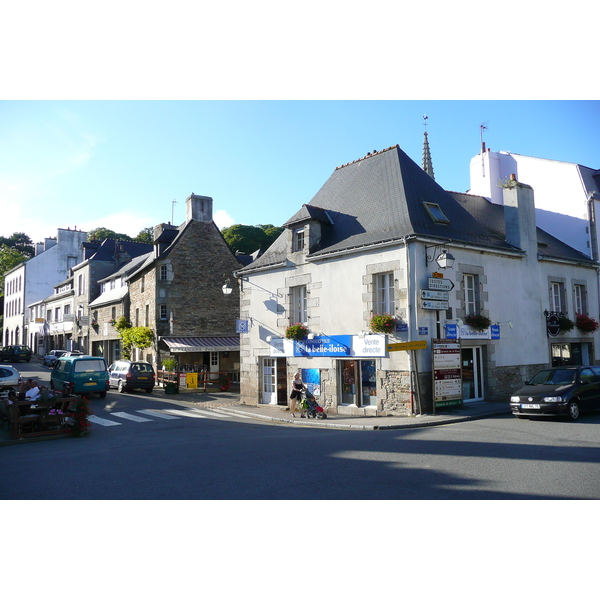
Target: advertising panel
[(447, 374)]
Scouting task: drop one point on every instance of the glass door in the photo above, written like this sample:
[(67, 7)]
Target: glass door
[(269, 381), (358, 382), (472, 374)]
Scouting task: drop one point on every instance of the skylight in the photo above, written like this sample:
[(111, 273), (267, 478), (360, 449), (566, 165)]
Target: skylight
[(436, 213)]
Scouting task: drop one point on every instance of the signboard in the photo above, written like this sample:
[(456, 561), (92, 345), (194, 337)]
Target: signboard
[(434, 295), (447, 373), (435, 304), (370, 345), (433, 283), (454, 332), (241, 326), (552, 324), (339, 345), (418, 345), (330, 346)]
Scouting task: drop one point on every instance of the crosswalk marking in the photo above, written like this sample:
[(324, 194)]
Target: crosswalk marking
[(154, 412), (124, 415), (185, 413), (214, 413), (104, 422)]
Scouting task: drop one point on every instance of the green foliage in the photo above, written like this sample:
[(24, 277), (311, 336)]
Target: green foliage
[(169, 364), (478, 322), (565, 324), (122, 323), (382, 323), (101, 233), (21, 242), (9, 258), (135, 337), (145, 236), (297, 331), (250, 238)]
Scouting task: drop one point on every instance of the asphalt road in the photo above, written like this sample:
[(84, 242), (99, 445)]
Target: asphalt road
[(190, 453)]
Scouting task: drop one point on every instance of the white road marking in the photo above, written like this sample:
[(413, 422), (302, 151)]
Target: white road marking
[(184, 413), (130, 417), (104, 422), (155, 412), (219, 415)]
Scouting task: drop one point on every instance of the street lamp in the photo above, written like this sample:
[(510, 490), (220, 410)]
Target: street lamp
[(227, 289), (444, 259)]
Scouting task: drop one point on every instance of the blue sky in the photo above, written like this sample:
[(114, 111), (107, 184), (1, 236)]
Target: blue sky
[(120, 164)]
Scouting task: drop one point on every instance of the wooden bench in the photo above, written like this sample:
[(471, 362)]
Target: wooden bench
[(42, 420)]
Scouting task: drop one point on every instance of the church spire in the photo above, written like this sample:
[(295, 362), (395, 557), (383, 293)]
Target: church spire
[(427, 162)]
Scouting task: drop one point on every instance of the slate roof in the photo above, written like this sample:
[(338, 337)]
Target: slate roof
[(380, 198)]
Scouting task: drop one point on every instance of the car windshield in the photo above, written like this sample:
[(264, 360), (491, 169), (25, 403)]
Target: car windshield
[(554, 377), (89, 366), (145, 367)]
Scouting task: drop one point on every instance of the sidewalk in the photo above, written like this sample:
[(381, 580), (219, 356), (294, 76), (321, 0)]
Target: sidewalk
[(229, 402)]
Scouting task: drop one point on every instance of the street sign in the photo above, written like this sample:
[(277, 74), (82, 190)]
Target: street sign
[(439, 284), (434, 295), (435, 304), (418, 345)]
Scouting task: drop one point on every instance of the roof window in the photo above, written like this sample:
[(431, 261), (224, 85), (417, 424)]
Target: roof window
[(436, 213)]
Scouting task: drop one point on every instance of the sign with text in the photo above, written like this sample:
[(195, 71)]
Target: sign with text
[(330, 346), (417, 345), (447, 373), (434, 304), (433, 283), (434, 295)]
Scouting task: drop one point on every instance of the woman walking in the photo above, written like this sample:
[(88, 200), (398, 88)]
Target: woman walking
[(297, 387)]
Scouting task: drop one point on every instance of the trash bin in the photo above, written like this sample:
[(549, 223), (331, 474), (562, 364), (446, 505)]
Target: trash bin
[(171, 388)]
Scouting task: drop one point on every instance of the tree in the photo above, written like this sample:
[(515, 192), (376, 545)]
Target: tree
[(101, 233), (21, 242), (250, 238), (145, 236), (133, 337), (9, 258)]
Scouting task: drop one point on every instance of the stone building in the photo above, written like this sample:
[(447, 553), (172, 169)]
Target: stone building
[(470, 285), (177, 292)]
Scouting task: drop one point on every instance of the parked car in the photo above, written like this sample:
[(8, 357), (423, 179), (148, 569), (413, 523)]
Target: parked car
[(128, 375), (15, 353), (80, 375), (10, 379), (73, 353), (52, 356), (558, 391)]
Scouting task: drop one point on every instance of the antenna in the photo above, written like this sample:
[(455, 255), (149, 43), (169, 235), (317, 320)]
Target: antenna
[(481, 128), (173, 212)]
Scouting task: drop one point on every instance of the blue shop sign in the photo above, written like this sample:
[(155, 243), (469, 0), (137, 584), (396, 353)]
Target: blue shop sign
[(495, 332), (451, 331), (339, 345)]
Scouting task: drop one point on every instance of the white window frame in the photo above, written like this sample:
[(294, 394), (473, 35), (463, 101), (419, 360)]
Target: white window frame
[(298, 304), (556, 296), (470, 288), (164, 273), (579, 299), (384, 294), (298, 239), (162, 308)]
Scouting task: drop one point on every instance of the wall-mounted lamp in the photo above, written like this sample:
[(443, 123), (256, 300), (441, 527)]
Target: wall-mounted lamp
[(311, 336), (442, 257), (269, 338), (227, 289), (362, 334)]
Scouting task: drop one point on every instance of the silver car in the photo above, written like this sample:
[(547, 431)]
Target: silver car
[(52, 356)]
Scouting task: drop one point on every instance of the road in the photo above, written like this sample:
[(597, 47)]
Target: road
[(146, 447)]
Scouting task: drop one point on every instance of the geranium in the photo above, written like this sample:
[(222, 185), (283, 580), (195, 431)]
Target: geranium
[(586, 324), (382, 323), (478, 322), (80, 423), (297, 331)]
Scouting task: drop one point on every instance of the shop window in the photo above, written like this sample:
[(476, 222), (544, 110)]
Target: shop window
[(572, 354), (384, 294), (358, 383), (298, 304)]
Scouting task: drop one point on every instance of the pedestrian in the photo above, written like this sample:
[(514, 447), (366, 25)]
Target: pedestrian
[(297, 387), (33, 392)]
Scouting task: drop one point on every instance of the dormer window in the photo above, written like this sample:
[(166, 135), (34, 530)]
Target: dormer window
[(436, 213), (298, 240)]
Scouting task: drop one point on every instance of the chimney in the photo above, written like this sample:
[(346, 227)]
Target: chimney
[(198, 208), (519, 216)]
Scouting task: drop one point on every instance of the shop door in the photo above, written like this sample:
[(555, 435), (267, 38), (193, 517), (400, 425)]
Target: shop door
[(269, 381), (281, 382), (472, 374)]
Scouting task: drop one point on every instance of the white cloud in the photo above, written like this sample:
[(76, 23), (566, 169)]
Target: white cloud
[(222, 219)]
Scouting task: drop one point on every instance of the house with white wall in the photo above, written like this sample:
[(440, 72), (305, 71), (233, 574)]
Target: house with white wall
[(567, 195), (381, 237), (34, 280)]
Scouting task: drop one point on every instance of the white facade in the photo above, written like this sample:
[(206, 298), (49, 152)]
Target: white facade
[(35, 279), (563, 193)]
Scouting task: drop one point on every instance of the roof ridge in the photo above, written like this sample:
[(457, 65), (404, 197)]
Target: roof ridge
[(368, 155)]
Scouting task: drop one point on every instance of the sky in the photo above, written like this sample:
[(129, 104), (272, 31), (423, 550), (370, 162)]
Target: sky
[(130, 164)]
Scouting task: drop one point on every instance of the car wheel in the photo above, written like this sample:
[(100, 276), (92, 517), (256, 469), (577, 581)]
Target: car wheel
[(120, 386), (102, 394), (149, 390), (573, 410)]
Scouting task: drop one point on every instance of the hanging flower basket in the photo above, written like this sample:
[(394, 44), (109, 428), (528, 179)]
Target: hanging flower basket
[(382, 324), (586, 324), (297, 331), (565, 324), (478, 322)]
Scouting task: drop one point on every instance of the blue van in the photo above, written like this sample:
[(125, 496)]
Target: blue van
[(80, 375)]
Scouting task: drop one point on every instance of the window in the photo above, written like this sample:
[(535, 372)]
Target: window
[(298, 240), (557, 294), (470, 286), (66, 309), (57, 314), (113, 313), (162, 308), (49, 315), (137, 317), (214, 359), (298, 313), (144, 282), (81, 284), (436, 213), (163, 272), (579, 299), (384, 294), (147, 316)]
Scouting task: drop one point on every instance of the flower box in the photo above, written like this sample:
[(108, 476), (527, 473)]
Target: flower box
[(382, 324), (586, 324), (478, 322), (297, 331)]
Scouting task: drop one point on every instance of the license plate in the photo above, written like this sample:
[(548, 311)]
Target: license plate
[(142, 378), (90, 383), (526, 406)]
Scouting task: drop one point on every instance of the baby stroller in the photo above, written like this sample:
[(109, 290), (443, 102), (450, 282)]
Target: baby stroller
[(311, 407)]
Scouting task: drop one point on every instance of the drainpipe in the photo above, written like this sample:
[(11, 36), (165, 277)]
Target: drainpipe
[(412, 362)]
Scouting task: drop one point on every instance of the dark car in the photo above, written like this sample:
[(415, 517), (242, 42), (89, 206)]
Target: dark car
[(128, 375), (15, 353), (558, 391)]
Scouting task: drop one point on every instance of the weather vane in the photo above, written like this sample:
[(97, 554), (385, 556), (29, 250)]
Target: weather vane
[(425, 117)]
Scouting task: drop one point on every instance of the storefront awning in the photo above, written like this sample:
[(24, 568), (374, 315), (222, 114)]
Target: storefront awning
[(202, 344)]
